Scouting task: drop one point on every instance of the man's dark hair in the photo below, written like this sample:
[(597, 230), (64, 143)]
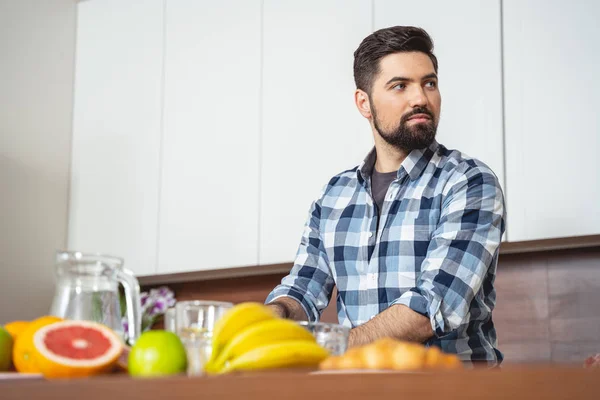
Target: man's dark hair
[(386, 41)]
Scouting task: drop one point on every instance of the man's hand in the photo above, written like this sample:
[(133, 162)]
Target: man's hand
[(398, 322), (288, 308)]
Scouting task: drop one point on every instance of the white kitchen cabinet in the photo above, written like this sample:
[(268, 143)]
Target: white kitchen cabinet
[(202, 131), (210, 150), (311, 129), (467, 44), (552, 93), (116, 131)]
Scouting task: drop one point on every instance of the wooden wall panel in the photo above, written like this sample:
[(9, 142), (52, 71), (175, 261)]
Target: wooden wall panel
[(575, 329), (526, 351), (573, 351), (521, 313), (553, 298), (253, 288), (574, 286)]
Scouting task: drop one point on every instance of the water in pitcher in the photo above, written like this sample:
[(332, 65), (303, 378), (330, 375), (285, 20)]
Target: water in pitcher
[(100, 306)]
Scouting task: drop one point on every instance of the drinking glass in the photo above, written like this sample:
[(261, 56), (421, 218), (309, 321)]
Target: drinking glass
[(333, 337), (170, 320), (195, 321)]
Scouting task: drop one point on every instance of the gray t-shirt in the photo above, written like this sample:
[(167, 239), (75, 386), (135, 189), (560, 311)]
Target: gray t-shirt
[(380, 182)]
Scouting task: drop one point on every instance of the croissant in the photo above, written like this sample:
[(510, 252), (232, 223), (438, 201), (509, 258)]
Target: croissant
[(392, 354)]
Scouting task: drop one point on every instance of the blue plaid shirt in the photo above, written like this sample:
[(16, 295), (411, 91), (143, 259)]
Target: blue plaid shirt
[(435, 251)]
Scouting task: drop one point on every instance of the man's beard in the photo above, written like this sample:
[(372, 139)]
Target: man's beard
[(408, 138)]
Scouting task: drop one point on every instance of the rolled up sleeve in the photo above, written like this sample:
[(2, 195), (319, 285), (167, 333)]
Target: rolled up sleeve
[(309, 282), (463, 248)]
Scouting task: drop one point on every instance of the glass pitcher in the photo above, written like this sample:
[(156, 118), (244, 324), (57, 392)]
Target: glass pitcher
[(87, 288)]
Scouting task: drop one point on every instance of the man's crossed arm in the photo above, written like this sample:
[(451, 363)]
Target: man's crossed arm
[(398, 321)]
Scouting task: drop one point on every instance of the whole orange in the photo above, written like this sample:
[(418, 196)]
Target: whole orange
[(24, 350), (16, 327)]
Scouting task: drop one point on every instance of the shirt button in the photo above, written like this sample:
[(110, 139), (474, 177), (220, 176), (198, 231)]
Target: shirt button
[(370, 234)]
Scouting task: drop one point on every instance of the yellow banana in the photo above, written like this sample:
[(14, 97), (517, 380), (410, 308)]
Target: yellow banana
[(256, 335), (291, 353), (236, 319)]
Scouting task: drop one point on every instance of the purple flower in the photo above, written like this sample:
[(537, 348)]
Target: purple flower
[(162, 292), (159, 307), (144, 298), (165, 292), (153, 304)]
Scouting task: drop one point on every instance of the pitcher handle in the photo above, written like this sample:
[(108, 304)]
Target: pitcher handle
[(132, 300)]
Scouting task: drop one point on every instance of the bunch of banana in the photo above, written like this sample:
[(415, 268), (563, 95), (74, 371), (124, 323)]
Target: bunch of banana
[(251, 337)]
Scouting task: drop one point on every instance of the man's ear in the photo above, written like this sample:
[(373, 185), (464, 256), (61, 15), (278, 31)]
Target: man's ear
[(363, 104)]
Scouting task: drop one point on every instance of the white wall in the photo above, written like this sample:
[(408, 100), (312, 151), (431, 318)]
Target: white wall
[(37, 44)]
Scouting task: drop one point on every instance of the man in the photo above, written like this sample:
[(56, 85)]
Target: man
[(411, 236)]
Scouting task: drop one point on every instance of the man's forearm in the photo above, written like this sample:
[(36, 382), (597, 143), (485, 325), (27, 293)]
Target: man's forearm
[(398, 321), (288, 308)]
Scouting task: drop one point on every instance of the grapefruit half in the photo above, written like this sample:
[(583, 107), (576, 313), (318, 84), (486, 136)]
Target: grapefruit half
[(72, 349)]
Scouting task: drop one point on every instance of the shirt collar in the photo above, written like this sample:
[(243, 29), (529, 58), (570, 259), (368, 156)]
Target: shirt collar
[(413, 165)]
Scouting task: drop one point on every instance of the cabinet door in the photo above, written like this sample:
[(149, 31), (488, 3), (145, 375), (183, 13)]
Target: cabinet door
[(466, 37), (311, 128), (209, 191), (116, 131), (552, 94)]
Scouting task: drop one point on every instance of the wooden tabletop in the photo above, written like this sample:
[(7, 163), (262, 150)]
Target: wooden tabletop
[(514, 383)]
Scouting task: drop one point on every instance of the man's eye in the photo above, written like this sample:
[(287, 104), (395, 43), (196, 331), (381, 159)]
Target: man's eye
[(431, 84), (400, 86)]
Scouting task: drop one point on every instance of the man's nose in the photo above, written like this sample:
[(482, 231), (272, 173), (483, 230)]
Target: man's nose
[(418, 98)]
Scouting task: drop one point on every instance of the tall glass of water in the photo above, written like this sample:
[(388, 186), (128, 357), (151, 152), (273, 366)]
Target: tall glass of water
[(195, 321)]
